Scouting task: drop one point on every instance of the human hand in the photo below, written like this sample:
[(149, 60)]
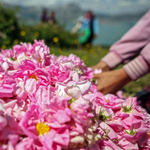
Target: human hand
[(111, 81), (101, 65)]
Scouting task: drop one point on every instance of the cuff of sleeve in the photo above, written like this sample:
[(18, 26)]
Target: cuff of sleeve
[(136, 68), (112, 60)]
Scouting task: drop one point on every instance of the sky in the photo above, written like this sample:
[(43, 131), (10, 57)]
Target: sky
[(100, 6)]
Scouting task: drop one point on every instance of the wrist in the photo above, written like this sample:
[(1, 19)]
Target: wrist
[(112, 60), (124, 76), (102, 65)]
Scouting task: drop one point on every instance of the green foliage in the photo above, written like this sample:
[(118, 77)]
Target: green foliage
[(102, 115), (11, 33), (71, 101), (131, 132), (53, 35), (9, 28), (127, 109)]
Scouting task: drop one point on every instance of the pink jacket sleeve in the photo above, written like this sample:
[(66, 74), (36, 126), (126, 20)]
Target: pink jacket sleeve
[(139, 66), (131, 44)]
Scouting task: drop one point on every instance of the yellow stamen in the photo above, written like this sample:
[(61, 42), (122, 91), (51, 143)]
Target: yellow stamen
[(42, 128), (34, 77), (148, 134), (39, 60)]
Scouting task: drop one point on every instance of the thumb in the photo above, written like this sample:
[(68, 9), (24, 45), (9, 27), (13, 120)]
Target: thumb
[(97, 76)]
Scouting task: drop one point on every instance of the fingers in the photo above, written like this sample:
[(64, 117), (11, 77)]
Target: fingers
[(93, 68), (101, 89), (99, 86), (97, 76)]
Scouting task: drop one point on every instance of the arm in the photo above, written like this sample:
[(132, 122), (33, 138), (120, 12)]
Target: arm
[(112, 81), (130, 45), (76, 28)]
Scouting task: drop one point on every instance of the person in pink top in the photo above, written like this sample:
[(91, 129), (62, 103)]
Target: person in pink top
[(133, 50)]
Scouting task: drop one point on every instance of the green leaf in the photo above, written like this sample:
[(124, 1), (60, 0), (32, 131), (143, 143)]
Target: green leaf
[(70, 101)]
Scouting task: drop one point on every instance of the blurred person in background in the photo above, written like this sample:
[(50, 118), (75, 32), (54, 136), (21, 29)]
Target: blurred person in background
[(44, 17), (88, 27), (52, 19), (133, 50)]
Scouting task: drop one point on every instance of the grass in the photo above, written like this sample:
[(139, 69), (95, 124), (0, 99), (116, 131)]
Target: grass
[(92, 55)]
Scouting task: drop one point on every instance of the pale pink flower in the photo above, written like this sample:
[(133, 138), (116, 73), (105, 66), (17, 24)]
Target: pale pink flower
[(108, 101), (6, 90), (34, 128), (72, 89), (57, 73), (125, 144), (97, 71), (108, 145), (104, 128)]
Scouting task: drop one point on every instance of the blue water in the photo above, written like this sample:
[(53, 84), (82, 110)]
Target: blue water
[(109, 32)]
